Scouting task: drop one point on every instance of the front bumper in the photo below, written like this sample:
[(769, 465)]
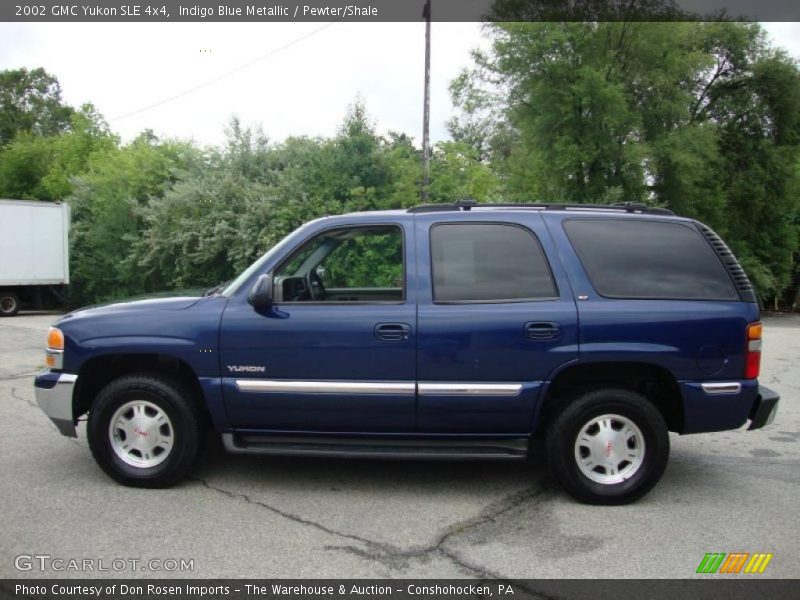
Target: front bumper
[(764, 408), (54, 396)]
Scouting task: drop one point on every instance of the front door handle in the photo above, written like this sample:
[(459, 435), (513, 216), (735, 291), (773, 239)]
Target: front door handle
[(542, 330), (392, 332)]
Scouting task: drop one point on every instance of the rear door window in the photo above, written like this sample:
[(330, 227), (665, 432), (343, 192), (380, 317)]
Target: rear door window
[(649, 260), (488, 262)]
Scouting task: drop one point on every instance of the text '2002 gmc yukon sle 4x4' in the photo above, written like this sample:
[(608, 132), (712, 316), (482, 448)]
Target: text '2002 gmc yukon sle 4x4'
[(443, 331)]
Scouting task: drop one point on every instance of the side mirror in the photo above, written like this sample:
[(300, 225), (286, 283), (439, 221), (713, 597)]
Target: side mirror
[(260, 295)]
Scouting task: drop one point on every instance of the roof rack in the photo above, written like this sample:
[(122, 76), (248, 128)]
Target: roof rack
[(468, 204)]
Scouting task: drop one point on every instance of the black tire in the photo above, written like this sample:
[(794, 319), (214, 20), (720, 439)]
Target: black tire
[(569, 423), (185, 428), (9, 304)]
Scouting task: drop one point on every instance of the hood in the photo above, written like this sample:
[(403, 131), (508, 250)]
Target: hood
[(136, 305)]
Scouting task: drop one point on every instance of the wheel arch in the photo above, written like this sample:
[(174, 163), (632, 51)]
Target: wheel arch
[(99, 371), (655, 382)]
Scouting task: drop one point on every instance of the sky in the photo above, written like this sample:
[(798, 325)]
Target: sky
[(291, 78)]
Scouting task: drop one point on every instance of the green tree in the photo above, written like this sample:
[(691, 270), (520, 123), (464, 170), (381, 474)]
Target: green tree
[(759, 135), (23, 165), (107, 201), (211, 221), (41, 167), (30, 102), (457, 173)]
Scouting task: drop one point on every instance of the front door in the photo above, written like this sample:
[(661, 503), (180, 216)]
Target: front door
[(337, 351), (496, 317)]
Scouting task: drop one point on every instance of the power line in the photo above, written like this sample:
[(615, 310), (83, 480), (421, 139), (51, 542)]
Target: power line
[(224, 75)]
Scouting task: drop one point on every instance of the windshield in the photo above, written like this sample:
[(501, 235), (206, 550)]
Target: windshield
[(255, 267)]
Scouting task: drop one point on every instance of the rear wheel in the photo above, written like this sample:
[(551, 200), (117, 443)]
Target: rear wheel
[(608, 446), (144, 430), (9, 304)]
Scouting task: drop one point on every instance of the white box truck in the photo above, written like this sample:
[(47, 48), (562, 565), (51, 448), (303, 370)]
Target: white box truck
[(34, 253)]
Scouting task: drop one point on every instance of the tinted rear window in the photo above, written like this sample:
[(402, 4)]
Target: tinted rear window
[(475, 262), (649, 259)]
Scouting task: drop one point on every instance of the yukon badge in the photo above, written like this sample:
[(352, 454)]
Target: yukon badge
[(246, 369)]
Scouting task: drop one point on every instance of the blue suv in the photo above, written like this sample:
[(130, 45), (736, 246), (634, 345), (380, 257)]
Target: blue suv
[(458, 331)]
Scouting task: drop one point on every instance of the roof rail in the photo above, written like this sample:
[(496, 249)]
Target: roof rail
[(468, 204)]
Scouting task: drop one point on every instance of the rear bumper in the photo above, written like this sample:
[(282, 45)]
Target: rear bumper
[(725, 405), (54, 396), (764, 408)]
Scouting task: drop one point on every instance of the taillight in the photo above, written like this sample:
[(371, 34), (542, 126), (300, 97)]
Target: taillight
[(753, 351)]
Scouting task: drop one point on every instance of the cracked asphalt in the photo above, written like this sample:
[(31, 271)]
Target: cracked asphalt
[(241, 516)]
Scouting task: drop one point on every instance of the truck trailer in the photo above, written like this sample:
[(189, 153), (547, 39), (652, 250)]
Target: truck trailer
[(34, 253)]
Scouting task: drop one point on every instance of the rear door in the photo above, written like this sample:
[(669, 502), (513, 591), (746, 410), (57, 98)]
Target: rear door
[(495, 318)]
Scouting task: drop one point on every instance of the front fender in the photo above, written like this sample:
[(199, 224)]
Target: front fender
[(190, 335)]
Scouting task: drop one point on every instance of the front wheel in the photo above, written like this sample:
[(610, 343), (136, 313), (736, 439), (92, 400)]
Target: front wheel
[(145, 431), (9, 304), (608, 446)]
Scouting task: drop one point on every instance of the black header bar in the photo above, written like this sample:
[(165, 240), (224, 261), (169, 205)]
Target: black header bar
[(709, 587), (396, 10)]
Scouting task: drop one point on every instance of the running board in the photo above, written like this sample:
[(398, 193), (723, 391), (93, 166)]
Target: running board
[(352, 447)]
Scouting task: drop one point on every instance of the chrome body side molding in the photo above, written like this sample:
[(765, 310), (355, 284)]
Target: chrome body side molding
[(467, 389), (324, 387), (728, 387), (379, 387)]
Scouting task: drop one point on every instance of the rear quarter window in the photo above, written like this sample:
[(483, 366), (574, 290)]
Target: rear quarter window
[(649, 260)]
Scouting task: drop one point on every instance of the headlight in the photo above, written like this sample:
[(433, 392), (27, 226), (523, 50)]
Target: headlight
[(55, 348)]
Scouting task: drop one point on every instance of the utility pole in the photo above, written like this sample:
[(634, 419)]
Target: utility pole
[(426, 109)]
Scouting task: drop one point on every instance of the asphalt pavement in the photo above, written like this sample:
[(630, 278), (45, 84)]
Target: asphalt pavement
[(241, 516)]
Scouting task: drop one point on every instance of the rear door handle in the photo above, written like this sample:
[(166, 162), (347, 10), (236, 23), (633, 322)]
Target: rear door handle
[(392, 332), (542, 330)]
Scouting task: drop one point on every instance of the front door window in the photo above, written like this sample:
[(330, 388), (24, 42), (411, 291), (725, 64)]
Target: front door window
[(356, 264)]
